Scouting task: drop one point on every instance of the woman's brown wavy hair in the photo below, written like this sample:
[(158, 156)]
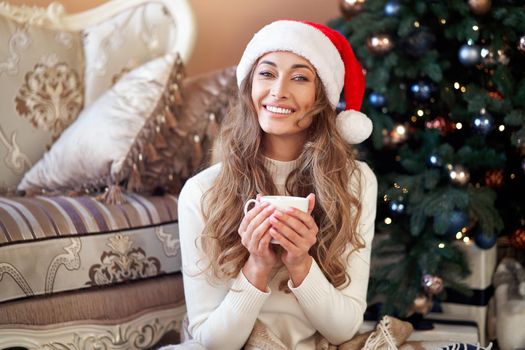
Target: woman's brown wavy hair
[(325, 167)]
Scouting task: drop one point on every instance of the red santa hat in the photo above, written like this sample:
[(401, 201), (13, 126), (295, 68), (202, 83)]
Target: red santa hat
[(333, 58)]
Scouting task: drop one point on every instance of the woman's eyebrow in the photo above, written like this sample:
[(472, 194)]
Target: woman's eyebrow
[(268, 62), (303, 66), (295, 66)]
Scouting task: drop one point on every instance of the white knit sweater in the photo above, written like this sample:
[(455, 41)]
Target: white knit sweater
[(222, 315)]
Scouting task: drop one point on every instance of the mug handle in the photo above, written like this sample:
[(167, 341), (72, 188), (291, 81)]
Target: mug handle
[(250, 201)]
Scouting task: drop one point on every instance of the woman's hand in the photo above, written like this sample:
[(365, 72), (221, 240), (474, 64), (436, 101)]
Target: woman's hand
[(255, 236), (296, 231)]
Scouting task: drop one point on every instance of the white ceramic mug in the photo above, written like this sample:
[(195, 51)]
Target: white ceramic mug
[(280, 203)]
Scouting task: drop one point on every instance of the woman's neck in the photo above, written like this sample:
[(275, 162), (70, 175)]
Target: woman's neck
[(282, 148), (279, 171)]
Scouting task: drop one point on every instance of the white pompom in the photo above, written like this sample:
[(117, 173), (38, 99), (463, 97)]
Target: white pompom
[(354, 126)]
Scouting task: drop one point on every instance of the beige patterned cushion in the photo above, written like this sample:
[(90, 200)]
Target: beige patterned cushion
[(123, 136), (41, 79), (123, 42)]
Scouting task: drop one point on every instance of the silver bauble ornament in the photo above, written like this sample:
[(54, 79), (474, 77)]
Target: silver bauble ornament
[(376, 99), (422, 90), (469, 54), (392, 8), (432, 284), (397, 207), (482, 123), (418, 42)]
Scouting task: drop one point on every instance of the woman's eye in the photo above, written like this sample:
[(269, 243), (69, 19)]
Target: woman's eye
[(265, 74), (300, 78)]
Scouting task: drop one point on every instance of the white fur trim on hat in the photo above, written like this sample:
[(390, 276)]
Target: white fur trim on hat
[(303, 40), (354, 126)]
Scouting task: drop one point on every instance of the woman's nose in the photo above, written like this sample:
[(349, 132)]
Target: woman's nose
[(280, 89)]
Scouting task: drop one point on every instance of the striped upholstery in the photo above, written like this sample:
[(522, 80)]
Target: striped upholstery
[(56, 244), (32, 218)]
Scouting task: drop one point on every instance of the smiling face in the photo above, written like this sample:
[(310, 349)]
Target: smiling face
[(283, 92)]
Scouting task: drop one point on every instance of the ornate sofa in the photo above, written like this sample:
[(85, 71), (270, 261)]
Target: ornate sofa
[(98, 130)]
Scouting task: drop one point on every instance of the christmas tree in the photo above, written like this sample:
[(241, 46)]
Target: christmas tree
[(446, 92)]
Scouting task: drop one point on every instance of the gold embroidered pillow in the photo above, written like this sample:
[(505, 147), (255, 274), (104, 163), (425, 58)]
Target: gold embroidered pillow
[(120, 139), (207, 100), (41, 79)]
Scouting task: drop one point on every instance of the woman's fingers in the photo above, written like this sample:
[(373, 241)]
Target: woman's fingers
[(250, 215), (305, 218), (299, 221), (256, 230), (293, 240), (259, 232), (264, 242), (287, 226), (290, 229), (259, 218), (282, 240), (291, 221)]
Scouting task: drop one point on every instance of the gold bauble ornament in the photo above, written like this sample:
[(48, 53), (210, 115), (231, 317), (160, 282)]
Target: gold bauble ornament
[(503, 56), (399, 133), (459, 175), (479, 7), (422, 304), (350, 8), (379, 44)]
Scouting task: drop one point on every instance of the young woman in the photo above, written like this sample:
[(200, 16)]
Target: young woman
[(283, 138)]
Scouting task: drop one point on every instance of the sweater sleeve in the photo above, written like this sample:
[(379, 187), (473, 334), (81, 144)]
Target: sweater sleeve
[(321, 301), (221, 314)]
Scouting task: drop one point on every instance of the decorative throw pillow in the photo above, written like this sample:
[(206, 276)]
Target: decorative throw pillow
[(123, 42), (120, 139), (207, 98), (42, 89)]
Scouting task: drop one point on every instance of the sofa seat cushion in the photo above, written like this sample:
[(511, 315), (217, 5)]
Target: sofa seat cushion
[(44, 217), (142, 314), (56, 244), (114, 303)]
